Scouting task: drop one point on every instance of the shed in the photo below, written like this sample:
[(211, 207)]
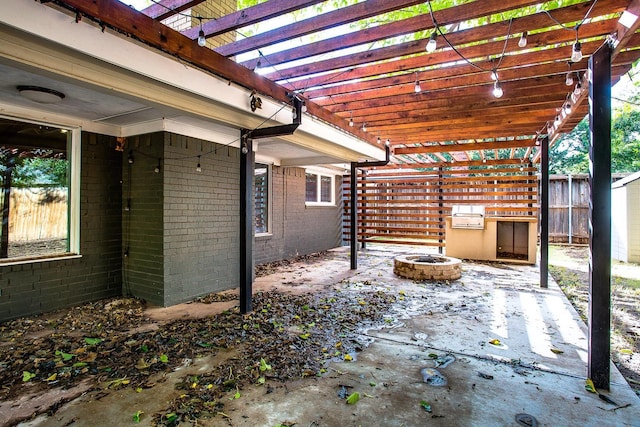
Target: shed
[(625, 219)]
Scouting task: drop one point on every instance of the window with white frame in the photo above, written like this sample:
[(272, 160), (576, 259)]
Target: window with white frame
[(39, 172), (319, 188), (261, 197)]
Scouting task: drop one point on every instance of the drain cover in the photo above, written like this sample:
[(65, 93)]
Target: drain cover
[(526, 420)]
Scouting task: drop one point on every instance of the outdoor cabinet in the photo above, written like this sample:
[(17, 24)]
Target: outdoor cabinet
[(507, 239)]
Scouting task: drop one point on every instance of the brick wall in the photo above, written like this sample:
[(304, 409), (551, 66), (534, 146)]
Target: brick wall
[(201, 218), (142, 218), (297, 229), (45, 286)]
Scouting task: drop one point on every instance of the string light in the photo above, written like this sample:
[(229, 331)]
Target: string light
[(157, 169), (202, 40), (578, 89), (417, 87), (523, 39), (351, 119), (432, 44), (198, 167), (379, 140), (130, 158), (494, 74), (387, 142), (364, 127), (569, 79), (576, 53), (497, 90)]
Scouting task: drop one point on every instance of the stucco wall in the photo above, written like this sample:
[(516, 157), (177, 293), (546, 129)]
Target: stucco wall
[(297, 229), (38, 287)]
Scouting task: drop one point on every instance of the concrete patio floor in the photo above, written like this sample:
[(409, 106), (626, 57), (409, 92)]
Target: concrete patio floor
[(538, 367)]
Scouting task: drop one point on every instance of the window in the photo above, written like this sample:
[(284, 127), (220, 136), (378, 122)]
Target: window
[(40, 208), (319, 189), (261, 198)]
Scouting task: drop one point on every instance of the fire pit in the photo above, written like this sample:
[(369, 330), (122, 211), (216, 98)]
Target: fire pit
[(427, 267)]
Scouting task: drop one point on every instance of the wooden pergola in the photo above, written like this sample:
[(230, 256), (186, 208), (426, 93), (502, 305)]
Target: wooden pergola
[(500, 85)]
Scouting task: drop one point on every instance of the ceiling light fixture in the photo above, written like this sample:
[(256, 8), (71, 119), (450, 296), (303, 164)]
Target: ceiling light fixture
[(41, 95), (523, 39), (497, 90), (432, 44)]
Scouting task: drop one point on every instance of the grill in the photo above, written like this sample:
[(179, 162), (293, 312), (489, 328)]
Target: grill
[(467, 216)]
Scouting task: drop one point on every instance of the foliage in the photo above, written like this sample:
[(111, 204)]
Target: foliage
[(571, 153), (34, 172)]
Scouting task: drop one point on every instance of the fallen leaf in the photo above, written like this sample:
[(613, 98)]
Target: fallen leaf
[(93, 341), (348, 357), (353, 398), (425, 405), (136, 416), (556, 351), (495, 342), (626, 351), (52, 377), (27, 376), (589, 386)]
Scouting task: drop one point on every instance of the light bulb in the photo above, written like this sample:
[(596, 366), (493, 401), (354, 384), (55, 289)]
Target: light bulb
[(379, 140), (578, 89), (387, 143), (198, 167), (523, 40), (494, 75), (432, 44), (202, 41), (245, 150), (497, 90), (364, 127), (567, 107), (576, 54), (351, 122), (557, 121), (417, 87), (569, 79)]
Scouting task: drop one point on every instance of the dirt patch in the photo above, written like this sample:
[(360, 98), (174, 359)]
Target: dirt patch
[(568, 266)]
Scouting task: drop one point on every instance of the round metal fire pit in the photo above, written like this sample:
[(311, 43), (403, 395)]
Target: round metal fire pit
[(427, 267)]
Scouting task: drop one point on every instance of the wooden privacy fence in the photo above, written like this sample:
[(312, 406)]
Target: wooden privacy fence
[(37, 214), (409, 206), (569, 208), (569, 197)]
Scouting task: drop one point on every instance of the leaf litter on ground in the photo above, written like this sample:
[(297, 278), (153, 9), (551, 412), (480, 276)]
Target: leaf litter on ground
[(98, 341)]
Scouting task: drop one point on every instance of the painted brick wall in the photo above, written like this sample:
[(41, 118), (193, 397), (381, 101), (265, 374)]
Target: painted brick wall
[(201, 220), (297, 229), (142, 218), (46, 286)]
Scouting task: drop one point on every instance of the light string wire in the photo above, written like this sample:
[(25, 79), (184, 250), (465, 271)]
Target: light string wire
[(578, 25), (439, 30)]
